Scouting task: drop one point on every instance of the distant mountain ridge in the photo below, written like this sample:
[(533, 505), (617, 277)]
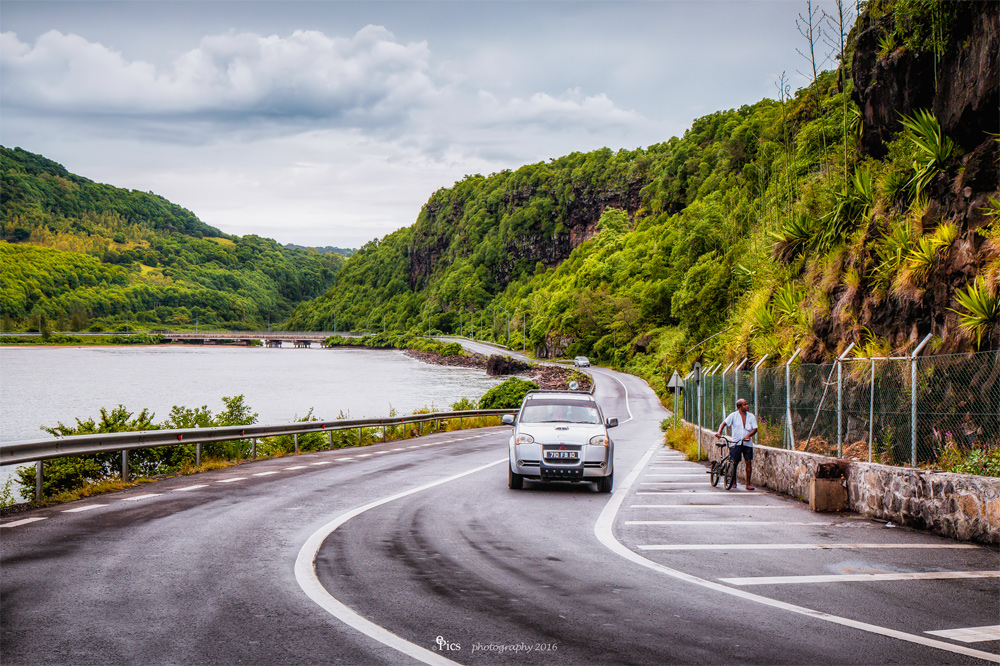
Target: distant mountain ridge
[(88, 255)]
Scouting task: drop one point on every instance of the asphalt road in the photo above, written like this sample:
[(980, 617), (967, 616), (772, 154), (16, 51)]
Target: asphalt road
[(417, 551)]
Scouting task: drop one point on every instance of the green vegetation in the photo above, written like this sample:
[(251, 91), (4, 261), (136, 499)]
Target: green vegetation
[(87, 256), (507, 395)]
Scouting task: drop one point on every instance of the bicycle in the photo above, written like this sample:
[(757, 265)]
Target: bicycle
[(723, 468)]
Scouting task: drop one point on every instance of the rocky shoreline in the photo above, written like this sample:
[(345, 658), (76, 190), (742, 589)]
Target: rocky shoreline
[(546, 376)]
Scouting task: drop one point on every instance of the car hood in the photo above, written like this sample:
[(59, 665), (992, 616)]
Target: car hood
[(562, 433)]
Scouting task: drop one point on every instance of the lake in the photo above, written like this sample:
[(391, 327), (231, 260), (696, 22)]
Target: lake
[(47, 385)]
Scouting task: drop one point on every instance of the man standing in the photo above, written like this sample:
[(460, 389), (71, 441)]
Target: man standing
[(743, 426)]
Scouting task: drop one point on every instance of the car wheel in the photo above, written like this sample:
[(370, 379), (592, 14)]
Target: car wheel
[(514, 481), (605, 484)]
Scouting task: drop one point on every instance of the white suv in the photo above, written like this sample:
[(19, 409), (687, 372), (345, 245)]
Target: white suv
[(561, 436)]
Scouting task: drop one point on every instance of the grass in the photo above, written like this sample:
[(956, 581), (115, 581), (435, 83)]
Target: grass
[(683, 439)]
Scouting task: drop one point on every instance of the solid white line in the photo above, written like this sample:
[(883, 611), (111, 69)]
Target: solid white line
[(685, 483), (677, 491), (140, 497), (970, 634), (294, 467), (181, 490), (721, 522), (84, 508), (627, 407), (265, 473), (305, 575), (798, 546), (23, 521), (235, 478), (861, 578), (710, 506), (605, 534)]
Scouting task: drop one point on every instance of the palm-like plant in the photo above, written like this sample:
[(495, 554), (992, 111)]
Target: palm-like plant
[(934, 148), (922, 255), (982, 308), (794, 237)]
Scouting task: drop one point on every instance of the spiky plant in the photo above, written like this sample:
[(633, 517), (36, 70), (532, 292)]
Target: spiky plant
[(933, 147), (891, 250), (982, 308), (921, 257), (787, 303), (794, 237), (894, 185)]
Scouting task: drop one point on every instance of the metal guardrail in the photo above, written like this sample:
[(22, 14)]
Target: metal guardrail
[(13, 453)]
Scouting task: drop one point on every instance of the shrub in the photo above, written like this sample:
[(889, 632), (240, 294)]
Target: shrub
[(507, 395)]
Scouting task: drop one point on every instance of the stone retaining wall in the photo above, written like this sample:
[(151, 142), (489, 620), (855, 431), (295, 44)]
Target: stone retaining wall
[(960, 506)]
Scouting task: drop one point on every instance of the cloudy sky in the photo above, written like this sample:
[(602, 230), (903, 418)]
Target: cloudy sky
[(332, 122)]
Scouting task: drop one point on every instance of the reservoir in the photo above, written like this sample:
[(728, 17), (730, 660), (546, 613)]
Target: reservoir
[(42, 386)]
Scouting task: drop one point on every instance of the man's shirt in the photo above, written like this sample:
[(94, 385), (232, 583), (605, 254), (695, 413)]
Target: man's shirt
[(741, 431)]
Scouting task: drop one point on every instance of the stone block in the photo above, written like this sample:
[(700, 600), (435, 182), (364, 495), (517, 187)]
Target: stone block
[(827, 495)]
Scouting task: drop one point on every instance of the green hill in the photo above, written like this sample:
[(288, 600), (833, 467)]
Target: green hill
[(862, 208), (88, 255)]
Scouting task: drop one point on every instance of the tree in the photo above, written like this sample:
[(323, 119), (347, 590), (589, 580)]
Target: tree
[(810, 26)]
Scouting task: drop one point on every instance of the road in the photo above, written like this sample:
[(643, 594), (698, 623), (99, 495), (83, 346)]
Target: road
[(416, 551)]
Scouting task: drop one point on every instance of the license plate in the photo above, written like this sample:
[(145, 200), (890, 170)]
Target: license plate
[(562, 455)]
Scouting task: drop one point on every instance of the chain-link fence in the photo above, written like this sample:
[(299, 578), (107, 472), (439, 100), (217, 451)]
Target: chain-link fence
[(898, 411)]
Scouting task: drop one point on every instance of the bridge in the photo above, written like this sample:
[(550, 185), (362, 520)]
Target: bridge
[(300, 339)]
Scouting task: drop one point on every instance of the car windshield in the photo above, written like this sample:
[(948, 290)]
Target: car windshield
[(560, 412)]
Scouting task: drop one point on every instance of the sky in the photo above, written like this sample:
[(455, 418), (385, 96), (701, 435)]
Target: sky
[(331, 122)]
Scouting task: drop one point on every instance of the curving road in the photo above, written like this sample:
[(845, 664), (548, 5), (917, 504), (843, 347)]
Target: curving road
[(417, 551)]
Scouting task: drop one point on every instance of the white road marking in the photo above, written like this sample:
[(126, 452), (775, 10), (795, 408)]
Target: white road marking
[(674, 475), (860, 578), (722, 522), (140, 497), (266, 473), (294, 467), (627, 407), (401, 449), (322, 462), (686, 483), (364, 455), (415, 446), (710, 506), (970, 634), (23, 521), (605, 534), (677, 491), (799, 546), (84, 508), (237, 478), (181, 490), (305, 575)]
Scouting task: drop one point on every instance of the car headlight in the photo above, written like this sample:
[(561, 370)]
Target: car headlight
[(599, 440), (523, 438)]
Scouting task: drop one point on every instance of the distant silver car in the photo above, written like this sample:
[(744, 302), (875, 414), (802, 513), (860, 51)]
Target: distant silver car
[(581, 362), (560, 436)]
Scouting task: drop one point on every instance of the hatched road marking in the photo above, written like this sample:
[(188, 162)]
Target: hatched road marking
[(970, 635)]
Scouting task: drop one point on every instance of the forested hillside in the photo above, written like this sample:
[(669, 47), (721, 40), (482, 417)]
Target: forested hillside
[(862, 208), (84, 255)]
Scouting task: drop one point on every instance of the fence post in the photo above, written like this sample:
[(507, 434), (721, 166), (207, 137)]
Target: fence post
[(724, 388), (913, 399), (788, 400), (736, 385), (756, 405), (125, 465), (38, 480), (840, 399), (871, 412)]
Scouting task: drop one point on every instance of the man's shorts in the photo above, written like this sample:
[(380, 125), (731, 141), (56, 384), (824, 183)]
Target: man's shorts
[(735, 452)]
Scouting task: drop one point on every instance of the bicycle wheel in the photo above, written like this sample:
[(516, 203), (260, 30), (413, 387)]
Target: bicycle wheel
[(715, 473), (730, 475)]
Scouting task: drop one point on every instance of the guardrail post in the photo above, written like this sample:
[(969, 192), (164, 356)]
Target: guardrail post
[(913, 399), (38, 480), (125, 465), (253, 448), (383, 433), (359, 436), (295, 438), (197, 454), (331, 439)]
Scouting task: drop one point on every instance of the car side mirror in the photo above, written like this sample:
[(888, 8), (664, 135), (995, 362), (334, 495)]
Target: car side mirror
[(507, 419), (612, 423)]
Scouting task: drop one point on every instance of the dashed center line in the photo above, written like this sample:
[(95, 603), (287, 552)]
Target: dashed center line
[(84, 508), (295, 467), (237, 478), (322, 462), (265, 473), (182, 490), (23, 521), (140, 497)]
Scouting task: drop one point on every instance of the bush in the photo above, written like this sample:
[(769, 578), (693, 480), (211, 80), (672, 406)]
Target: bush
[(451, 349), (507, 395)]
